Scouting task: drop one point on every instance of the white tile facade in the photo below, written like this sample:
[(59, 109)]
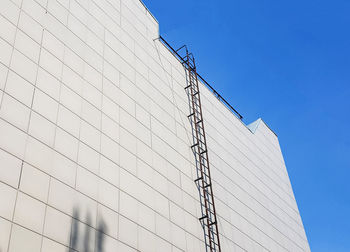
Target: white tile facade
[(95, 141)]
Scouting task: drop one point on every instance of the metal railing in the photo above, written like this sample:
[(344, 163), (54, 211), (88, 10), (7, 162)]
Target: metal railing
[(217, 95)]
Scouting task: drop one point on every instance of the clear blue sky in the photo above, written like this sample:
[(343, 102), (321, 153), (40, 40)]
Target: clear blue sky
[(289, 63)]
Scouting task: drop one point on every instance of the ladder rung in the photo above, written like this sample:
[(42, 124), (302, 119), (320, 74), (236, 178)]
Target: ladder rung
[(195, 90), (196, 144), (202, 151), (213, 223), (203, 217), (207, 185), (196, 180)]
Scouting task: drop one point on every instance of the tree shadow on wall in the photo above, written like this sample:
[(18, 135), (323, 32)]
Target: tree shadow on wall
[(83, 237)]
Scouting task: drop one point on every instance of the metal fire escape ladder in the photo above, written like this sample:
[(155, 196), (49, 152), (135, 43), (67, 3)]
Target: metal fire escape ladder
[(208, 219), (199, 147)]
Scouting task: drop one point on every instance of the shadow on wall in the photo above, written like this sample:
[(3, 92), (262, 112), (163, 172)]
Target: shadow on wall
[(83, 236)]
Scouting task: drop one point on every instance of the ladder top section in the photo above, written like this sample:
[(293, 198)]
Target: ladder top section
[(217, 95)]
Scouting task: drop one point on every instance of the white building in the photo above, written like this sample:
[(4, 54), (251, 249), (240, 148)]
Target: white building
[(95, 141)]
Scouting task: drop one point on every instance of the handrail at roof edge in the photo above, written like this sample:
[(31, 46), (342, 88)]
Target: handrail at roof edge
[(217, 95)]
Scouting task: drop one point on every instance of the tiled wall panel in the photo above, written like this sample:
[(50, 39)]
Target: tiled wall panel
[(95, 141)]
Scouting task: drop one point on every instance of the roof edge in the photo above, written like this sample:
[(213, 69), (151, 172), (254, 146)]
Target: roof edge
[(149, 11), (255, 125)]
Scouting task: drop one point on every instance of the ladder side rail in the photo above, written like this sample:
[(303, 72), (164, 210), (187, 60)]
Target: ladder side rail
[(207, 157), (203, 182), (200, 163)]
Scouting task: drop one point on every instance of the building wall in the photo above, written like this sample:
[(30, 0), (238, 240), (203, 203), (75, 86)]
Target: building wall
[(94, 141), (254, 198)]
